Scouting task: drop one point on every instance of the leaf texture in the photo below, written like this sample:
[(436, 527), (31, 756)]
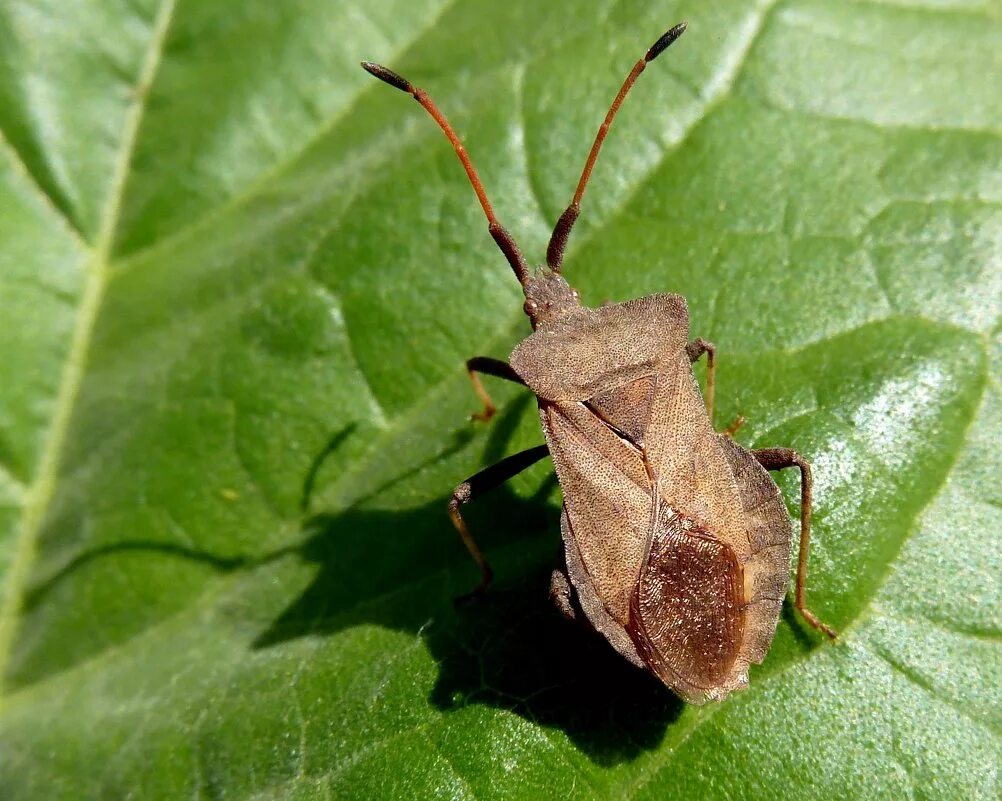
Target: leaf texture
[(238, 281)]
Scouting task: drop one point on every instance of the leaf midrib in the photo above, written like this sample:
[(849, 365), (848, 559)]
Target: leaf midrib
[(40, 492)]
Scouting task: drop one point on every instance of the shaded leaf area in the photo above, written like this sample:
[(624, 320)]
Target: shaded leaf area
[(241, 281)]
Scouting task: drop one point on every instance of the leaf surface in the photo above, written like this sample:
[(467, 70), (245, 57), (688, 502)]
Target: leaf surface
[(239, 279)]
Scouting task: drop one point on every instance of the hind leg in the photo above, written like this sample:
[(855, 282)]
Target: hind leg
[(778, 459), (562, 594)]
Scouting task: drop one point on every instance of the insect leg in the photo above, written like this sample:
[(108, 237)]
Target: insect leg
[(562, 595), (735, 425), (777, 459), (487, 479), (697, 348), (488, 366)]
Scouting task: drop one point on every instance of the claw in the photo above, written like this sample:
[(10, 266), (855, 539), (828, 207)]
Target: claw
[(736, 424), (485, 415), (473, 595)]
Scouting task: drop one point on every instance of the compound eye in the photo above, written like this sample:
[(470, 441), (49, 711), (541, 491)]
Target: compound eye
[(530, 307)]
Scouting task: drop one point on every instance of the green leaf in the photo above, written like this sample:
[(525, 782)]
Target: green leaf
[(239, 279)]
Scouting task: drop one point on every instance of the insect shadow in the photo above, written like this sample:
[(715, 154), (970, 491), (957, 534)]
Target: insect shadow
[(510, 649)]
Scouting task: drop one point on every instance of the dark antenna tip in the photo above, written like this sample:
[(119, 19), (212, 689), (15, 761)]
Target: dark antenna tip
[(388, 76), (662, 44)]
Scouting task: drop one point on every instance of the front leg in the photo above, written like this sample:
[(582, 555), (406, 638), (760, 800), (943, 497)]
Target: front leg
[(777, 459), (694, 350), (487, 479), (488, 366)]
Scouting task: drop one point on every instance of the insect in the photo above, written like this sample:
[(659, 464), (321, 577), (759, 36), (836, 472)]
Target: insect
[(676, 539)]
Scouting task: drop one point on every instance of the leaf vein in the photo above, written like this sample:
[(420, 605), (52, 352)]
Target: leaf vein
[(43, 488), (67, 222), (923, 684)]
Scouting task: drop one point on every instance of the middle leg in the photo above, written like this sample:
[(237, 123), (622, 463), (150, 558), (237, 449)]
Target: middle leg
[(487, 479)]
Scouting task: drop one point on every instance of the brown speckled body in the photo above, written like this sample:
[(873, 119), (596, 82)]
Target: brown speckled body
[(677, 542)]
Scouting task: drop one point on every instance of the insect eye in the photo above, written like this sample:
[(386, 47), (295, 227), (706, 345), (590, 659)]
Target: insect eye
[(530, 307)]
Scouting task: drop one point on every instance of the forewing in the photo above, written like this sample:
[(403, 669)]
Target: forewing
[(686, 617), (591, 605), (692, 470), (694, 587), (606, 497)]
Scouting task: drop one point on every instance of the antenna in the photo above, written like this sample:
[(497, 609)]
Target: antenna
[(504, 240), (562, 230)]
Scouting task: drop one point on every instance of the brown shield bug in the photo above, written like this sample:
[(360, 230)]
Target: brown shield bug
[(676, 539)]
